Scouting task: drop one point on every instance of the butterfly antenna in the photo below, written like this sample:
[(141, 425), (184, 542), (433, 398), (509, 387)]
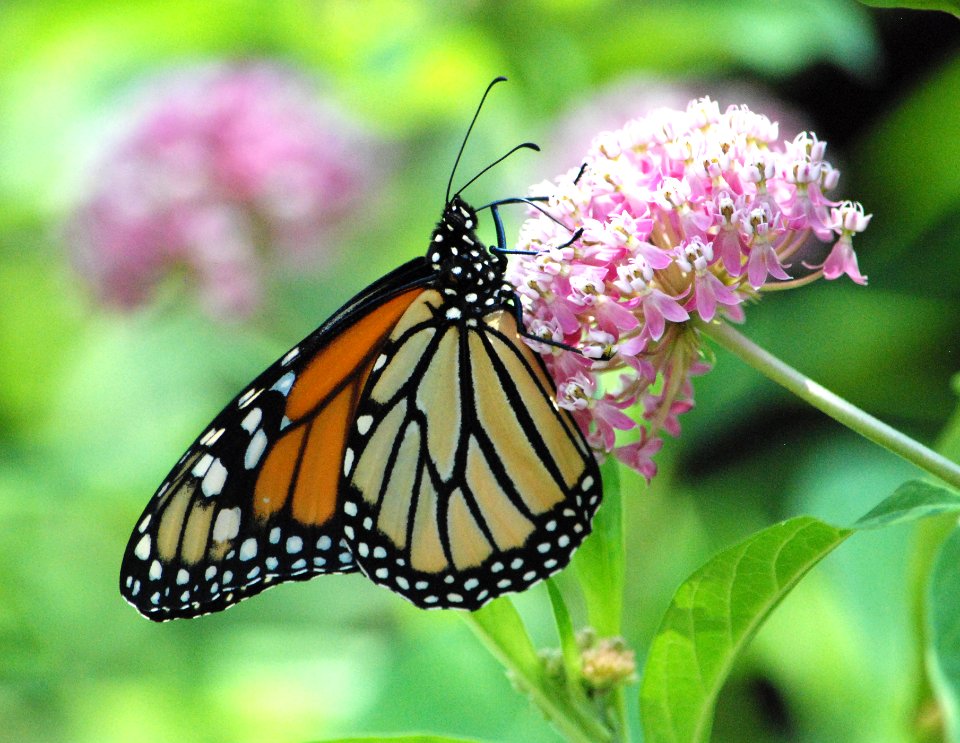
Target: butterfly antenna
[(500, 79), (524, 146), (532, 202)]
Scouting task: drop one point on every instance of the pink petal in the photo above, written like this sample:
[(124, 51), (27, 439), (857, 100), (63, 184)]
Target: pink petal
[(842, 260)]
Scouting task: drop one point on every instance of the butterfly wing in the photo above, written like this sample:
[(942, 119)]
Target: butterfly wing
[(464, 479), (253, 502)]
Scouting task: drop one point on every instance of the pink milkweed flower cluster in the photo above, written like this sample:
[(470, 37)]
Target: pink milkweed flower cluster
[(223, 171), (679, 217)]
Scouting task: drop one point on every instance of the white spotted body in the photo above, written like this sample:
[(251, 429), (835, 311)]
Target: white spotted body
[(469, 276)]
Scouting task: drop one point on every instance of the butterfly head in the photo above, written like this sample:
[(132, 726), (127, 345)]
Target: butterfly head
[(459, 216)]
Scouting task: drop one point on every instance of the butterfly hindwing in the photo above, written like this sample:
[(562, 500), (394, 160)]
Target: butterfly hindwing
[(253, 502), (465, 481)]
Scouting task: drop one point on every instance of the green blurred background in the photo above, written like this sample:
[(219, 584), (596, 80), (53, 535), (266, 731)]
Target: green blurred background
[(96, 403)]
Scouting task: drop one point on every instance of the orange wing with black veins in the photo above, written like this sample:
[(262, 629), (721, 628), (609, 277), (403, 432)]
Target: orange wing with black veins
[(254, 501)]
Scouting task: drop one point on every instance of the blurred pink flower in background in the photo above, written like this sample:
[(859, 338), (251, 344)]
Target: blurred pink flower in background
[(680, 217), (222, 172)]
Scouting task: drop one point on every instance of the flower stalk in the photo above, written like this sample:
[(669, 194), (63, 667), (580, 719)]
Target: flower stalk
[(833, 405), (500, 629)]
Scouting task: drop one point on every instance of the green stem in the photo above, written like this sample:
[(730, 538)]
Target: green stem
[(780, 286), (618, 707), (834, 406), (568, 644), (570, 721)]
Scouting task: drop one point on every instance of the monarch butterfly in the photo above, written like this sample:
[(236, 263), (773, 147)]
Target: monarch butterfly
[(413, 436)]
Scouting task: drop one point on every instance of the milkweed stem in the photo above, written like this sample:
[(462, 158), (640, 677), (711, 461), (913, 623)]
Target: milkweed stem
[(833, 405)]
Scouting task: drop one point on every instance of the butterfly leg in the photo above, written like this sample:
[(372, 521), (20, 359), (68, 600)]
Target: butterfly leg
[(501, 246), (517, 308), (501, 249)]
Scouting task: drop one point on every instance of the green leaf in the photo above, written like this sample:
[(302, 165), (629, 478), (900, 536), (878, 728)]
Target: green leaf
[(600, 561), (913, 500), (500, 628), (721, 606), (943, 617), (712, 617), (568, 641)]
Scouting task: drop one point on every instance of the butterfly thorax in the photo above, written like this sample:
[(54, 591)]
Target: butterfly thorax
[(468, 275)]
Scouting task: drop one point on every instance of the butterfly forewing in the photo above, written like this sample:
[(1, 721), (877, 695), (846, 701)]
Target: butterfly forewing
[(254, 501)]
